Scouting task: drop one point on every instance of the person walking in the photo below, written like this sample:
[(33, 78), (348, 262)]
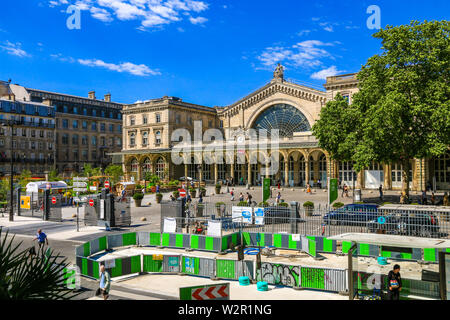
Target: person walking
[(105, 282), (241, 197), (445, 199), (232, 194), (42, 238), (380, 189), (278, 198), (249, 198), (433, 199), (200, 198), (343, 190), (394, 283), (423, 197), (346, 191)]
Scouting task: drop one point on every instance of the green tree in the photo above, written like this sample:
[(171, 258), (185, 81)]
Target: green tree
[(24, 177), (115, 172), (402, 109), (53, 175), (87, 170)]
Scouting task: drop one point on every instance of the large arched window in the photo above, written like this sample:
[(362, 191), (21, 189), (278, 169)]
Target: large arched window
[(145, 138), (134, 165), (147, 166), (284, 117), (160, 166)]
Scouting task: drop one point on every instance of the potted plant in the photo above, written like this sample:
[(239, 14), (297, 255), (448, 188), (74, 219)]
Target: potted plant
[(138, 196), (176, 194), (203, 191), (193, 192), (337, 205), (309, 208), (283, 204), (242, 204), (199, 211), (159, 197), (218, 187), (219, 208), (263, 204)]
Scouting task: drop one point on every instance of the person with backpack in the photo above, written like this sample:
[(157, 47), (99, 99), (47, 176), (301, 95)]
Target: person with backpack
[(394, 283), (105, 282)]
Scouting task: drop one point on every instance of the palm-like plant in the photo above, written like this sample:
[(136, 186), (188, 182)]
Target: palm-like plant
[(25, 277)]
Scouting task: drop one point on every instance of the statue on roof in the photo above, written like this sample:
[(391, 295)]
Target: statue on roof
[(279, 72)]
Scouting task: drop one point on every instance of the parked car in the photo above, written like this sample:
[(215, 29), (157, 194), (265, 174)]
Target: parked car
[(418, 224), (352, 214)]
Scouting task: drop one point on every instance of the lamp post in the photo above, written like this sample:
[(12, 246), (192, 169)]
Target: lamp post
[(10, 124)]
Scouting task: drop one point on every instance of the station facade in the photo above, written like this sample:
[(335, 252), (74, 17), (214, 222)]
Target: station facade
[(289, 107)]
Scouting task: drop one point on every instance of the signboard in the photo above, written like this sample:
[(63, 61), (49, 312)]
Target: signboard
[(157, 257), (80, 179), (259, 215), (241, 214), (266, 189), (91, 202), (332, 190), (78, 184), (54, 200), (170, 225), (295, 237), (214, 228), (109, 264), (102, 209), (25, 202), (182, 193), (93, 188), (220, 291), (107, 184), (79, 189), (189, 265)]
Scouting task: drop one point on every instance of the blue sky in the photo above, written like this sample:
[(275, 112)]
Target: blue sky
[(205, 52)]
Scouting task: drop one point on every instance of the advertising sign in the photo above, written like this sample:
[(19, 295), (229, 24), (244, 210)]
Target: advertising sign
[(266, 189), (332, 190), (170, 225), (241, 214), (214, 228), (259, 215), (25, 202)]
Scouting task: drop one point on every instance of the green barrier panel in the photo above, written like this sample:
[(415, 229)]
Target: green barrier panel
[(261, 242), (430, 254), (190, 265), (151, 265), (209, 243), (364, 249), (179, 241), (129, 239), (95, 269), (312, 248), (277, 240), (346, 245), (86, 249), (292, 244), (328, 245), (194, 242), (386, 254), (84, 266), (224, 243), (117, 270), (406, 255), (155, 239), (102, 243), (246, 238), (225, 269), (235, 239), (312, 278), (165, 239), (136, 264)]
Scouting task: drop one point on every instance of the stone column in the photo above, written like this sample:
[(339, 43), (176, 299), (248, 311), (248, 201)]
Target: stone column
[(216, 173), (249, 173), (387, 183), (185, 170), (232, 171), (286, 173), (360, 180), (306, 170)]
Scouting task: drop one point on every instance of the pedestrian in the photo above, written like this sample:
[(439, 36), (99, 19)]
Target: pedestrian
[(241, 197), (394, 283), (242, 181), (278, 184), (105, 282), (423, 197), (157, 188), (278, 198), (122, 195), (346, 191), (433, 198), (200, 198), (41, 237), (319, 184), (308, 188), (232, 194), (445, 199), (343, 190), (188, 198), (380, 189), (249, 198)]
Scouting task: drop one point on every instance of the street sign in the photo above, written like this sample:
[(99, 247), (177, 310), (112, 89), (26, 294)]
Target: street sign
[(207, 292), (80, 179), (79, 184), (107, 184), (54, 200), (80, 189), (93, 188), (91, 202), (182, 193), (381, 220)]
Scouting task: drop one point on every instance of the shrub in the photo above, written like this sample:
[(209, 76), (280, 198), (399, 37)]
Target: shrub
[(283, 204), (338, 205), (139, 187), (242, 204), (308, 204), (218, 185), (218, 204), (359, 202), (176, 194), (138, 196), (263, 204), (174, 183), (386, 203)]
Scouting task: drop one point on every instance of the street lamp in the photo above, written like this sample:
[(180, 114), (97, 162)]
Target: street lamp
[(10, 124), (199, 168)]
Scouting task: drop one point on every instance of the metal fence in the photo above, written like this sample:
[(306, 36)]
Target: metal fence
[(407, 222)]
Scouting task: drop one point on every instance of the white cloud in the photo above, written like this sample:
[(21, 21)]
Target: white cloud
[(137, 70), (150, 13), (323, 74), (198, 20), (14, 49), (303, 32), (180, 29)]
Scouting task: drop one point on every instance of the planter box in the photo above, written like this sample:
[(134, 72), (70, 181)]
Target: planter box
[(138, 202), (309, 211)]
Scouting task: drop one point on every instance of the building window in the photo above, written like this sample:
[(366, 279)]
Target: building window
[(94, 112), (147, 166), (119, 142), (145, 138), (84, 140), (102, 141), (158, 118), (84, 111), (94, 155), (65, 138), (94, 140), (441, 168), (33, 145), (49, 145), (346, 173), (66, 109), (210, 124), (41, 133), (144, 119), (94, 126), (41, 145), (158, 137), (85, 154), (24, 132), (103, 113), (189, 120), (102, 127), (119, 128), (160, 166), (111, 128), (132, 121), (2, 142), (134, 165), (84, 124), (75, 139), (110, 115), (75, 155), (75, 110), (111, 142), (132, 139), (65, 123), (177, 119)]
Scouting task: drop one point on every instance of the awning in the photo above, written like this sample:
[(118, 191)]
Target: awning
[(392, 240)]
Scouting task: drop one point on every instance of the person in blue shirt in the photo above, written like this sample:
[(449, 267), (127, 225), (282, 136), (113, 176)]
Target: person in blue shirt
[(105, 282), (42, 238)]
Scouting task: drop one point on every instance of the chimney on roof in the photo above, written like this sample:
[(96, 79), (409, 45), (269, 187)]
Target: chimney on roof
[(108, 97), (91, 94)]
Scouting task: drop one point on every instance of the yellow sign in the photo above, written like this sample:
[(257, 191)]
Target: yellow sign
[(157, 257), (25, 202)]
